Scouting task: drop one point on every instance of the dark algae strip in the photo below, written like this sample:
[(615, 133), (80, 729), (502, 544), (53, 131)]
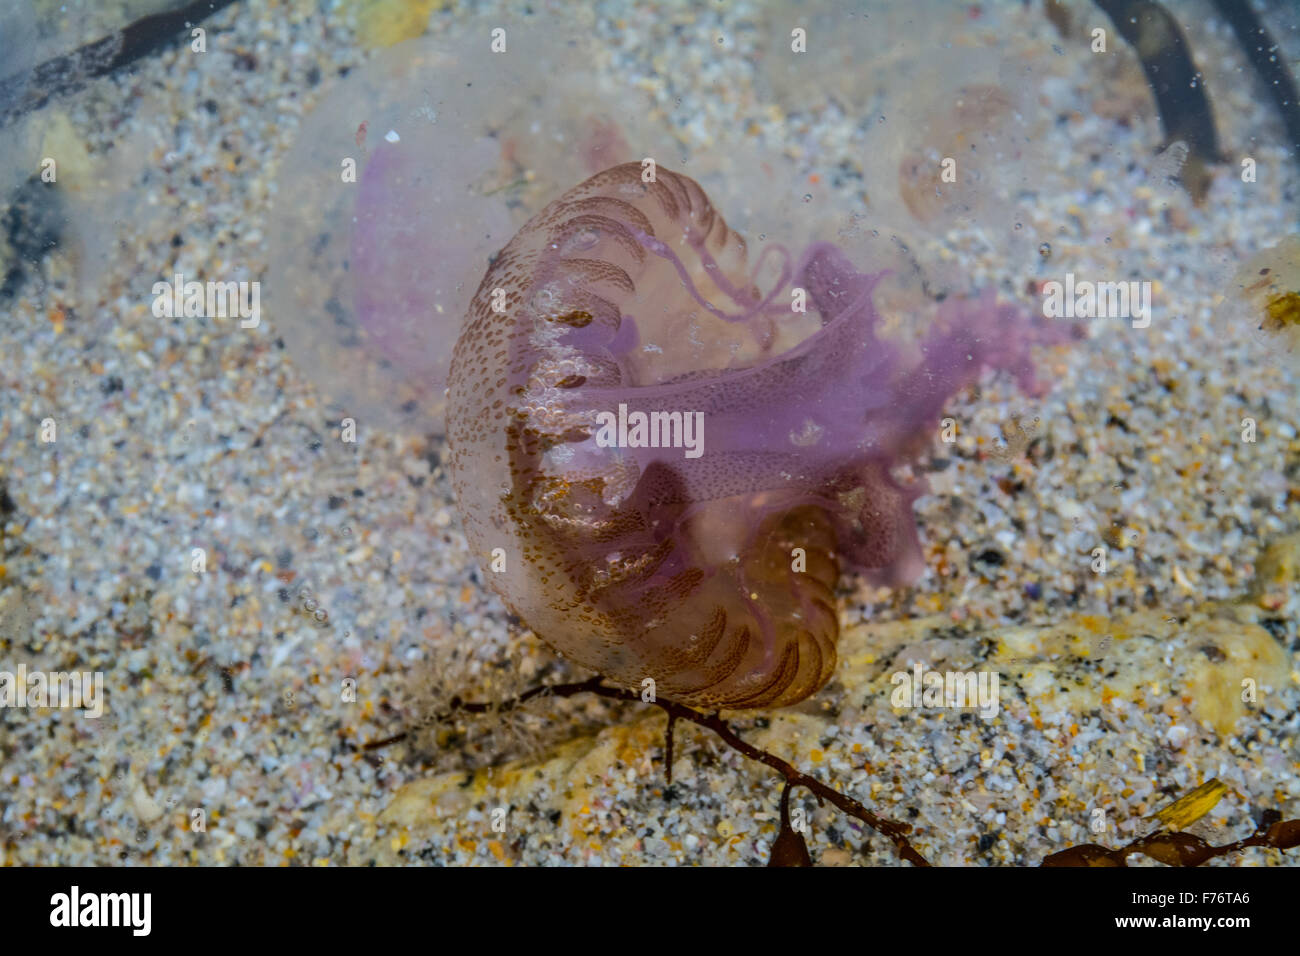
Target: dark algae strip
[(1177, 84), (789, 849), (68, 73), (1262, 50), (1181, 849)]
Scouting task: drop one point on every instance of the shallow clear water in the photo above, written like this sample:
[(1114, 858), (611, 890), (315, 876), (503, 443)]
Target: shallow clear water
[(238, 249)]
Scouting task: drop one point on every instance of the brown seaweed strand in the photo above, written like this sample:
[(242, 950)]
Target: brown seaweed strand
[(1170, 848), (1181, 849), (892, 830), (1178, 85), (789, 848)]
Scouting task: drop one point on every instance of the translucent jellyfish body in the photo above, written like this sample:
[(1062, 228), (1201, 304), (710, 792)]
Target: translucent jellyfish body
[(1263, 300), (949, 124), (409, 176), (637, 558), (401, 186)]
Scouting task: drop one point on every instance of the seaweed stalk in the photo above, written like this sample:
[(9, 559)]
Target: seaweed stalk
[(70, 72), (1262, 51), (788, 843), (1178, 85)]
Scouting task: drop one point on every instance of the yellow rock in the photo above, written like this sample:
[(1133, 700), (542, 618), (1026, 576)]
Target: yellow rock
[(1211, 653), (384, 23), (1190, 807), (59, 141), (1276, 571), (570, 769)]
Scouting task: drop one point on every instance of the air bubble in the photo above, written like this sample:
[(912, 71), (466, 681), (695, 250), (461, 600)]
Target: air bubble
[(1045, 250)]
